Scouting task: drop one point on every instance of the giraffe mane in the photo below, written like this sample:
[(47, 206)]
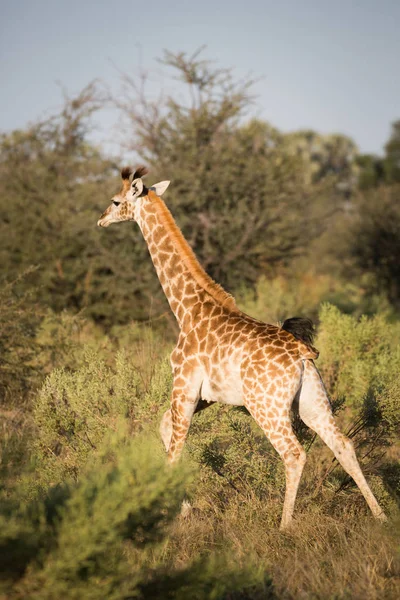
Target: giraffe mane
[(215, 290)]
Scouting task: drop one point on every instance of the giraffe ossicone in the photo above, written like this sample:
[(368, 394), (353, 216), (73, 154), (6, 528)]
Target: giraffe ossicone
[(224, 355)]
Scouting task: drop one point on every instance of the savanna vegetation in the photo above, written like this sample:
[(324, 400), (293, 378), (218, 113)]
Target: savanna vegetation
[(290, 223)]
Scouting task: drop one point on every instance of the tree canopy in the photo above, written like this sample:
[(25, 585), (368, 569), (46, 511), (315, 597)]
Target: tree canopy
[(249, 198)]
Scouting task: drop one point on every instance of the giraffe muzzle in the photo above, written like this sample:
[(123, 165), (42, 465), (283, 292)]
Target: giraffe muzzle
[(104, 221)]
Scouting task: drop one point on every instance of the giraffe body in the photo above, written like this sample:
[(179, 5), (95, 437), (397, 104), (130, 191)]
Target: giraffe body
[(223, 355)]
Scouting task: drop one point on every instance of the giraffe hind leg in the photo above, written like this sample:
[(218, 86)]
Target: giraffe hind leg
[(294, 458), (316, 412), (166, 428), (285, 442)]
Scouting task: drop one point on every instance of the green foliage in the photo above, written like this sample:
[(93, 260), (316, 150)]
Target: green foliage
[(372, 171), (326, 155), (299, 293), (19, 321), (53, 187), (359, 362), (378, 170), (233, 468), (357, 356), (75, 409), (129, 496), (58, 341), (389, 404), (104, 532), (374, 240), (243, 198), (392, 158)]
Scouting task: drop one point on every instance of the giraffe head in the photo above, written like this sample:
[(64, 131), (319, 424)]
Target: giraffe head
[(125, 204)]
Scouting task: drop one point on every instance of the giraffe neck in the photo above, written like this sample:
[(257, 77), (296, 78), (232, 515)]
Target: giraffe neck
[(184, 281)]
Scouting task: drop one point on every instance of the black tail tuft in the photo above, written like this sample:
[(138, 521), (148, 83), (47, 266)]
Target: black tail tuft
[(302, 329)]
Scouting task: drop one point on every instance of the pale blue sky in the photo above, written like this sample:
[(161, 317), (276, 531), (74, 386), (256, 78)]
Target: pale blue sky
[(332, 66)]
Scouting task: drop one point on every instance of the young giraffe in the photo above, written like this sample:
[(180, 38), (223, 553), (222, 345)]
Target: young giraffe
[(223, 355)]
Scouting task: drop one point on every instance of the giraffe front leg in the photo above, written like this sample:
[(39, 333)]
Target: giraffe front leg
[(176, 421), (182, 411)]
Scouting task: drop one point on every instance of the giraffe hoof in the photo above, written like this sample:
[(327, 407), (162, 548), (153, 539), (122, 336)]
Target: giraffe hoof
[(186, 509), (382, 517)]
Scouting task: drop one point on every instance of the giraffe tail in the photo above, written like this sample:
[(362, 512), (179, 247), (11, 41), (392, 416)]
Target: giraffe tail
[(304, 331)]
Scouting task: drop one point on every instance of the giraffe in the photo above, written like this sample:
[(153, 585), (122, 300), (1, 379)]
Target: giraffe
[(224, 355)]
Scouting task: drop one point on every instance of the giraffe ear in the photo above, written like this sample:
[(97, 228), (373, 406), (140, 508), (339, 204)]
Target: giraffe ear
[(160, 187), (136, 187)]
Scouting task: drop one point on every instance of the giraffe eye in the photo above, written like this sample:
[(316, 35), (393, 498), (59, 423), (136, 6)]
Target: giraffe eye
[(116, 203)]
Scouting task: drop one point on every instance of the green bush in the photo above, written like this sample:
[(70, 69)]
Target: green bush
[(102, 536), (357, 356), (75, 409), (237, 459), (359, 362), (373, 241), (20, 319), (298, 293)]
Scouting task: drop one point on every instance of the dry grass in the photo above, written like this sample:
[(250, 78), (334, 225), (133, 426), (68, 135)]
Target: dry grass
[(320, 557)]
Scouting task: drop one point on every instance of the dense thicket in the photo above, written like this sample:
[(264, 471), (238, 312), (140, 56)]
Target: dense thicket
[(375, 241), (53, 186)]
